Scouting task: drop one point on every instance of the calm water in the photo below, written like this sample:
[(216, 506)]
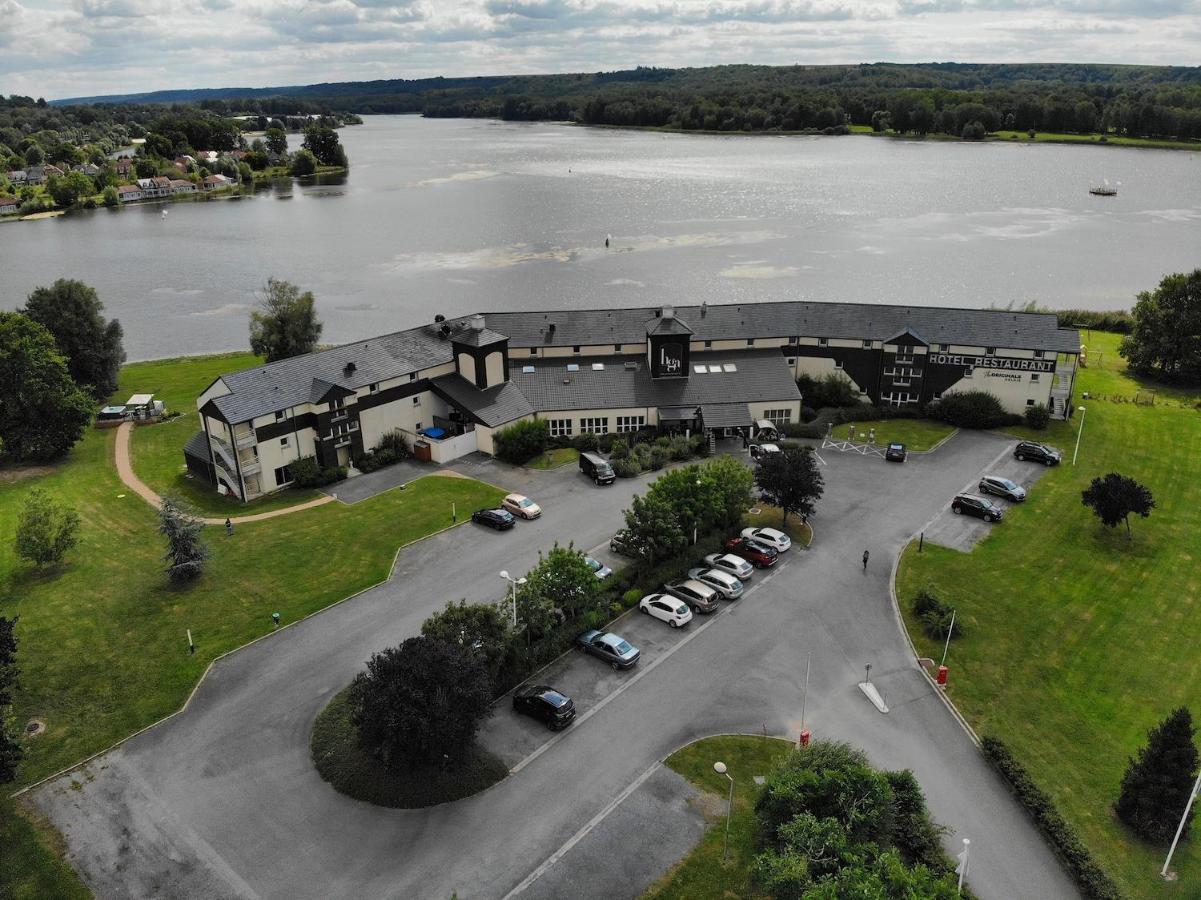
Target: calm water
[(455, 216)]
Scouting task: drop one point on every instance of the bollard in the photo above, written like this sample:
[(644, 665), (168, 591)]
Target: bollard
[(942, 676), (805, 738)]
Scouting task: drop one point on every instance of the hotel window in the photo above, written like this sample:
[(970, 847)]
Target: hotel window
[(838, 363), (938, 395), (944, 347), (823, 342), (282, 475), (990, 351), (1038, 354), (967, 373), (778, 416), (1034, 378), (281, 415), (750, 342), (708, 343), (1029, 402), (617, 348), (575, 349), (594, 426), (867, 345), (336, 404), (533, 351), (630, 423), (283, 442), (791, 360), (372, 388), (560, 427), (417, 400), (412, 376)]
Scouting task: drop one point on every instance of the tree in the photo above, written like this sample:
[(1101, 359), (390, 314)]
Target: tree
[(1158, 781), (734, 483), (276, 141), (696, 501), (1114, 497), (187, 551), (303, 163), (652, 525), (71, 311), (42, 412), (1165, 339), (111, 197), (422, 701), (10, 749), (564, 580), (790, 480), (322, 141), (285, 324), (34, 155), (481, 627), (46, 529), (522, 441), (70, 188)]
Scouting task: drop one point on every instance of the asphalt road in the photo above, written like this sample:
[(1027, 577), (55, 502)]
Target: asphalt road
[(223, 799)]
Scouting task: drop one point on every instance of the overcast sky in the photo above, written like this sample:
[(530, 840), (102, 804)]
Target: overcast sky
[(62, 48)]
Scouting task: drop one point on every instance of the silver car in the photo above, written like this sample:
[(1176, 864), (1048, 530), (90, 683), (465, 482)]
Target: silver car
[(700, 597), (1002, 487), (722, 582), (731, 564)]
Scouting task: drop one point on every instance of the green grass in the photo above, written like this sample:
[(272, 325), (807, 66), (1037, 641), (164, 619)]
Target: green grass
[(157, 450), (31, 864), (552, 459), (704, 874), (351, 771), (773, 517), (1049, 137), (1078, 640), (915, 434)]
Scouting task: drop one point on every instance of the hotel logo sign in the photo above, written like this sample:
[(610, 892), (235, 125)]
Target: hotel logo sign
[(670, 359), (1005, 363)]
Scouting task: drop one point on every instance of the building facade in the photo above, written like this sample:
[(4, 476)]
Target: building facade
[(450, 385)]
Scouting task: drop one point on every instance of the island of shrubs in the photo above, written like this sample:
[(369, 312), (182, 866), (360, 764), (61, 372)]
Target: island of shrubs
[(631, 453)]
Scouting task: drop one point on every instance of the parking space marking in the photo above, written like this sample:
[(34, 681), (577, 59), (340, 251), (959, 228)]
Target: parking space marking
[(967, 488), (819, 458), (582, 833)]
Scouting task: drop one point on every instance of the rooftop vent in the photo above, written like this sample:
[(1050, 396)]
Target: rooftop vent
[(439, 318), (477, 323), (704, 308), (444, 331), (551, 327), (667, 312), (349, 368)]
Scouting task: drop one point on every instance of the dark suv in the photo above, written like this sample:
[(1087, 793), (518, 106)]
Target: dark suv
[(972, 505), (544, 703), (1036, 452)]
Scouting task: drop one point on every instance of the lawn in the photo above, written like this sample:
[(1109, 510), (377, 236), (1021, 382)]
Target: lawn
[(157, 450), (1078, 640), (29, 868), (552, 459), (704, 874), (773, 517), (916, 434), (1048, 137)]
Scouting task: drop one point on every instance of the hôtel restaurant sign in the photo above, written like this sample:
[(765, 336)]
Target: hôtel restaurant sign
[(1007, 363)]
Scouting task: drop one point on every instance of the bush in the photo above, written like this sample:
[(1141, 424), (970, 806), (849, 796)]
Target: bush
[(972, 409), (808, 414), (935, 616), (586, 442), (46, 529), (306, 473), (680, 448), (833, 390), (395, 441), (627, 467), (1090, 878), (925, 601), (659, 457), (1038, 416), (618, 449), (641, 454), (700, 445), (631, 597), (522, 441), (373, 461), (1116, 321)]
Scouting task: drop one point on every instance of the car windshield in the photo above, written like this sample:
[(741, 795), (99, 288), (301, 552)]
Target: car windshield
[(623, 647), (1007, 484), (554, 698), (592, 563), (525, 502), (896, 446)]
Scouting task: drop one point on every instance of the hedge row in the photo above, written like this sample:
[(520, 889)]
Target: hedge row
[(1085, 871)]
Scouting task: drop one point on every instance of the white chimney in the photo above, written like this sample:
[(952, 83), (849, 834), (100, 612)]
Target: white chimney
[(667, 312), (477, 323)]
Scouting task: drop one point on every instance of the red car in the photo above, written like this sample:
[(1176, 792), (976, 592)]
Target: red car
[(753, 552)]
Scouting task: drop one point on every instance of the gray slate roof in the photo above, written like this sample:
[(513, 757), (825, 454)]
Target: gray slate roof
[(726, 415), (494, 406), (482, 338)]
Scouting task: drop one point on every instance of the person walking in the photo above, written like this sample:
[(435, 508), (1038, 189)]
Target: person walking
[(229, 528), (865, 555)]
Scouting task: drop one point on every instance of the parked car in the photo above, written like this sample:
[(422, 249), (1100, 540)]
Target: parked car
[(544, 703), (700, 597), (597, 468), (521, 505), (896, 453), (1036, 452), (1003, 487), (730, 564), (729, 586), (666, 608), (772, 537), (599, 569), (612, 648), (500, 519), (753, 552), (626, 544), (759, 451), (979, 507)]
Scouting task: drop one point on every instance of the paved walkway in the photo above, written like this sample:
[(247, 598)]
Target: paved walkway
[(130, 479)]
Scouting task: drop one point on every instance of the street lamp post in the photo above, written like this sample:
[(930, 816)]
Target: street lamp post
[(720, 769), (1165, 873), (1079, 432), (513, 583)]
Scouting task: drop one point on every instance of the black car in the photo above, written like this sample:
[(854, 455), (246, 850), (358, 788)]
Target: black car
[(627, 545), (1036, 452), (500, 519), (972, 505), (896, 453), (544, 703)]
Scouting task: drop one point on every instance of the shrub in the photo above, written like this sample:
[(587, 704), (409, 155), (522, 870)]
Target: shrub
[(808, 414), (935, 616), (925, 600), (659, 456), (1117, 321), (1038, 416), (618, 449), (680, 448), (833, 390), (699, 444), (395, 441), (972, 409), (604, 442), (626, 467), (586, 442), (914, 833), (522, 441), (306, 473), (1092, 880), (46, 529), (641, 454), (1158, 782), (631, 597)]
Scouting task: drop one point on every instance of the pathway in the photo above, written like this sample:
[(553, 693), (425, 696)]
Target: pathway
[(134, 483)]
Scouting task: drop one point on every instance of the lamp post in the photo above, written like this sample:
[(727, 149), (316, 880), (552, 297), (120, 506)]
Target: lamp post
[(1165, 873), (513, 583), (720, 769), (1079, 432)]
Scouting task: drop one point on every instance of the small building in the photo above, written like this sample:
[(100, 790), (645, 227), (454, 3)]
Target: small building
[(125, 166), (35, 174), (9, 205), (182, 186), (89, 169), (18, 176), (52, 172), (162, 185), (215, 182), (127, 193)]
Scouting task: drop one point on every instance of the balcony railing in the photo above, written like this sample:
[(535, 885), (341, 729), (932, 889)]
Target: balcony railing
[(245, 439)]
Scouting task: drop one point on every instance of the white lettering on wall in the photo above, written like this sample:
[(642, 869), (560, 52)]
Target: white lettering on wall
[(994, 362)]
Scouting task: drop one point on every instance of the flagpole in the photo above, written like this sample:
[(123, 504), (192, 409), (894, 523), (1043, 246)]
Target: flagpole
[(1163, 873)]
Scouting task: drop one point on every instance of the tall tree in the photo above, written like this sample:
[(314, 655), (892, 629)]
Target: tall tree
[(285, 324), (734, 483), (70, 188), (46, 529), (564, 580), (790, 480), (652, 525), (10, 749), (1114, 497), (322, 141), (42, 412), (276, 140), (1165, 339), (421, 701), (481, 627), (1157, 783), (187, 551), (72, 312)]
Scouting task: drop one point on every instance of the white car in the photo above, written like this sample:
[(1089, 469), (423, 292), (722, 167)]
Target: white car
[(667, 608), (759, 451), (724, 583), (731, 564), (522, 506), (772, 537)]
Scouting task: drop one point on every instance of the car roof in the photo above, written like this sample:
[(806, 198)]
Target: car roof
[(693, 584), (737, 560), (516, 497), (720, 575), (774, 532)]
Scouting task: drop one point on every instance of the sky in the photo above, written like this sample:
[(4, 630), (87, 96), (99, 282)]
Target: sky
[(65, 48)]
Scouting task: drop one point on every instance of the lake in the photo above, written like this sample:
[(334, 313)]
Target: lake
[(454, 216)]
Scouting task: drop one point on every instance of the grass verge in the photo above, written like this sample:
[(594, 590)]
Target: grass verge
[(704, 874), (773, 517), (1078, 640), (355, 773), (552, 459), (31, 864), (915, 434)]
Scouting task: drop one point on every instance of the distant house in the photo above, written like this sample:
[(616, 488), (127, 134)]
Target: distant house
[(125, 165), (52, 172), (35, 174), (206, 156), (182, 186), (237, 154), (129, 192), (18, 176), (8, 205), (87, 169), (215, 182), (162, 185)]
